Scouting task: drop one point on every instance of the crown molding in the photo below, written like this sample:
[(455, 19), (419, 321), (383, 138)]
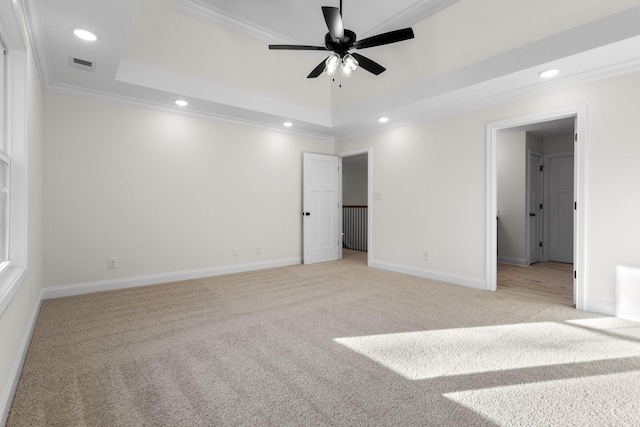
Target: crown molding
[(65, 89), (427, 109), (440, 107), (209, 14), (410, 16), (34, 27)]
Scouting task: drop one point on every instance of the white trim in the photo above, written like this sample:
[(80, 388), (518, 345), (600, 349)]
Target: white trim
[(469, 282), (12, 278), (16, 370), (531, 152), (601, 307), (212, 15), (408, 17), (369, 152), (580, 113), (255, 123), (156, 279), (206, 12), (148, 77), (580, 195), (16, 132)]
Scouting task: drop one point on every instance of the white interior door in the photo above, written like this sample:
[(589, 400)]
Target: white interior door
[(534, 201), (559, 174), (321, 208)]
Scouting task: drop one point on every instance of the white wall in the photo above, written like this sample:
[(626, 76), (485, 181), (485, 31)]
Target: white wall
[(15, 323), (511, 155), (435, 169), (165, 192), (431, 177)]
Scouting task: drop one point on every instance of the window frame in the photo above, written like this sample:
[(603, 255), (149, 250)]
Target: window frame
[(14, 133)]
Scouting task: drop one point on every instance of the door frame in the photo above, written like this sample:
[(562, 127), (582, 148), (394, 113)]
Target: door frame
[(579, 112), (369, 152), (539, 217)]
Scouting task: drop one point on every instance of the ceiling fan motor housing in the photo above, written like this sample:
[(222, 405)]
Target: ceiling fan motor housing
[(341, 47)]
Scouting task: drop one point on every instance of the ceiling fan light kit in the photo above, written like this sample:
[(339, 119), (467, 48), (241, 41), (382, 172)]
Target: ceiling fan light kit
[(340, 41), (347, 65)]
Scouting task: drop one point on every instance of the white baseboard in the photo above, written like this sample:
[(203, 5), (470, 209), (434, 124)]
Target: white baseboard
[(16, 370), (470, 282), (601, 307), (513, 261), (156, 279)]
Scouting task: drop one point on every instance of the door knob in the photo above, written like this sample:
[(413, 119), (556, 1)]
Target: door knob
[(306, 213), (532, 214)]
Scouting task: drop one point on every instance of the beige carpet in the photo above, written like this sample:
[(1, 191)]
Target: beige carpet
[(328, 344)]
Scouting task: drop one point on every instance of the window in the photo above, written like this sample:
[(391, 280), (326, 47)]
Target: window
[(13, 177)]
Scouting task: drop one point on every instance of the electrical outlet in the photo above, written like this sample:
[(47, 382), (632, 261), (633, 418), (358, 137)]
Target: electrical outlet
[(112, 263), (258, 250), (426, 256), (235, 251)]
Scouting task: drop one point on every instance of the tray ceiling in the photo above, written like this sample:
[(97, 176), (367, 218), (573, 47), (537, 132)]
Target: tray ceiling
[(214, 54)]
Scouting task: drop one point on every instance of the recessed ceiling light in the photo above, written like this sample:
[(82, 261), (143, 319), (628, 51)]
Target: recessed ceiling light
[(181, 102), (547, 74), (85, 35), (287, 124), (383, 119)]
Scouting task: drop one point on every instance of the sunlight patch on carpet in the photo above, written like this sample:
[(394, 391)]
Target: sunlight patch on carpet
[(589, 401), (610, 325), (439, 353)]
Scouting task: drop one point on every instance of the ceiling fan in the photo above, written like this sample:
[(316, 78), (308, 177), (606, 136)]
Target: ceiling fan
[(340, 41)]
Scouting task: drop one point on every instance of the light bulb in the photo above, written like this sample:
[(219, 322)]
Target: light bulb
[(547, 74), (85, 35), (349, 65), (331, 64)]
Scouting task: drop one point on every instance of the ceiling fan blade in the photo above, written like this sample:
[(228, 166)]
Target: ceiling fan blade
[(385, 38), (368, 64), (334, 22), (295, 47), (318, 70)]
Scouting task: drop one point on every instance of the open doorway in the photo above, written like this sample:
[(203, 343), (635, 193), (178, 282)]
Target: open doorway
[(356, 178), (535, 182), (524, 254)]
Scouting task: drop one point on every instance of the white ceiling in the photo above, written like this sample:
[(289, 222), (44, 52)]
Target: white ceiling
[(301, 22), (214, 53)]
